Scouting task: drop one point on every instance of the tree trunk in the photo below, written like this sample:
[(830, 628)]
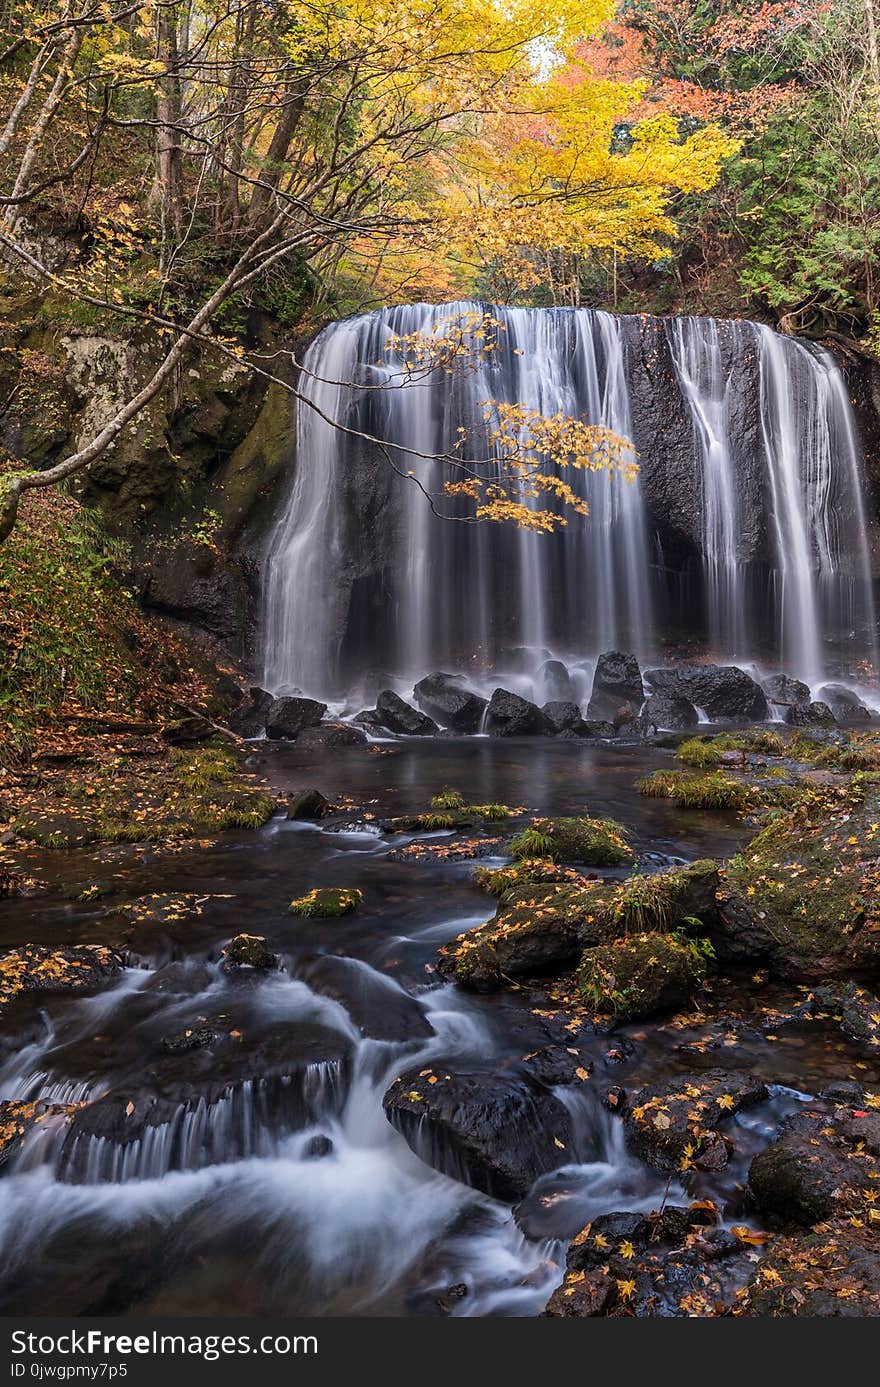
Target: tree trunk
[(166, 197), (270, 174)]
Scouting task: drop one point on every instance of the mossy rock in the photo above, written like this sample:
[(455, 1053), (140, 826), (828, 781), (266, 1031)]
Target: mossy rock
[(328, 902), (536, 928), (531, 871), (544, 925), (804, 895), (642, 975), (588, 842)]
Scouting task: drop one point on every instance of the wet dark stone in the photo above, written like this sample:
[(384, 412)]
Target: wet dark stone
[(495, 1132), (617, 681), (809, 715), (287, 717), (445, 698), (799, 1178), (308, 804), (782, 689), (249, 951), (660, 1121), (669, 712), (590, 1249), (615, 1098), (330, 734), (401, 717), (317, 1147), (844, 704), (194, 1038), (508, 715), (249, 718), (377, 1006), (557, 682), (723, 691), (563, 716)]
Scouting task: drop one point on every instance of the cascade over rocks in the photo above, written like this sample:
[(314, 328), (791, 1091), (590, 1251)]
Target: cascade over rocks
[(617, 682), (445, 699), (287, 717), (724, 691)]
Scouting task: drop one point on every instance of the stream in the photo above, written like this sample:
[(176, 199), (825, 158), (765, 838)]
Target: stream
[(273, 1182)]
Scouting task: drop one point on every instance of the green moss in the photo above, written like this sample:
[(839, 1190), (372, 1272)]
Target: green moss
[(327, 903), (641, 975), (699, 752), (661, 784), (657, 901), (590, 842), (712, 791)]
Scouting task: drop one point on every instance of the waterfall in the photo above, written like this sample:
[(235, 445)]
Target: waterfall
[(749, 475)]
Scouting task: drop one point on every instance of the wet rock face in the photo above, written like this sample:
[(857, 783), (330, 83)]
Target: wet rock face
[(810, 715), (395, 714), (666, 1121), (668, 712), (287, 717), (496, 1132), (724, 691), (616, 683), (508, 715), (445, 698)]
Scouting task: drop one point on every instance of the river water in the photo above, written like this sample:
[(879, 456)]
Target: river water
[(273, 1182)]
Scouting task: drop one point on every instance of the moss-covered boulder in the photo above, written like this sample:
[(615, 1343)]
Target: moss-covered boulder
[(530, 871), (537, 927), (804, 896), (542, 924), (642, 975), (327, 902), (588, 842)]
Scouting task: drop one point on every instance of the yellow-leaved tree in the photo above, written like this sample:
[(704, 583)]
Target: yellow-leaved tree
[(160, 161)]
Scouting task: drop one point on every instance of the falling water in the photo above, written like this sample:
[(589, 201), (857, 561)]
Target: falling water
[(363, 576)]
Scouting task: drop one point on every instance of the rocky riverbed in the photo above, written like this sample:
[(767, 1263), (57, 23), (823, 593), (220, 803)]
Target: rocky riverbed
[(258, 1067)]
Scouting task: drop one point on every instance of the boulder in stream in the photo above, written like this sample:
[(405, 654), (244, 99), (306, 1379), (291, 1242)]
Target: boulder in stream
[(821, 1165), (308, 804), (668, 712), (249, 951), (677, 1120), (330, 734), (556, 681), (724, 691), (445, 698), (563, 718), (640, 975), (844, 704), (401, 717), (287, 717), (616, 682), (784, 691), (249, 718), (494, 1131), (508, 715)]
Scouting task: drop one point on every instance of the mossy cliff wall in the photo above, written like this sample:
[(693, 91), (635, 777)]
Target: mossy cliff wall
[(191, 484)]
